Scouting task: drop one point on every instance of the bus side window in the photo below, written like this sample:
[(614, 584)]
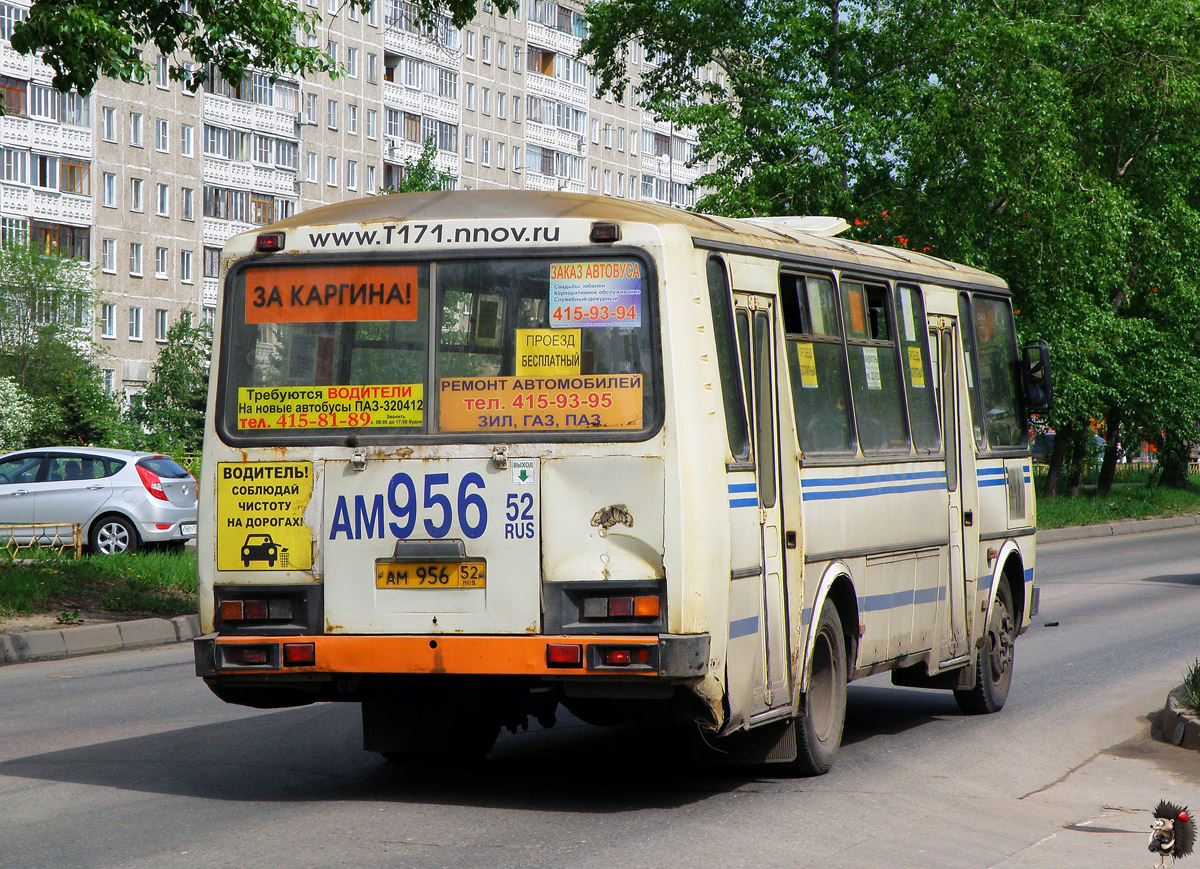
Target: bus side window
[(874, 369), (918, 373), (732, 393), (1002, 418), (967, 333), (816, 365)]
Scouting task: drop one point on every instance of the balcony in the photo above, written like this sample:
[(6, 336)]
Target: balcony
[(61, 207), (547, 37), (14, 63), (556, 89), (217, 232), (249, 116), (554, 138), (411, 45), (210, 292)]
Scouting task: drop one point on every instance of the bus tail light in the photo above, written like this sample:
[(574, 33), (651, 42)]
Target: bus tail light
[(256, 610), (247, 655), (268, 242), (604, 232), (299, 654), (617, 657), (564, 655), (232, 610), (646, 606)]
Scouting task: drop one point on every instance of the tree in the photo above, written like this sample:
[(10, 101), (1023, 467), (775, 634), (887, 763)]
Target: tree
[(1044, 141), (17, 419), (420, 175), (169, 414), (46, 346), (83, 40)]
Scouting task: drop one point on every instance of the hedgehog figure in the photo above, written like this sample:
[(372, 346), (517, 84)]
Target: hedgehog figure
[(1173, 833)]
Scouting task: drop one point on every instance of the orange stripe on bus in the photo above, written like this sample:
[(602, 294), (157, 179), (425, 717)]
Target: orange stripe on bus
[(468, 655)]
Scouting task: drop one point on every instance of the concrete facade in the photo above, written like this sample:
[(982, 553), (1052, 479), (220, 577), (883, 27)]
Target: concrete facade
[(146, 181)]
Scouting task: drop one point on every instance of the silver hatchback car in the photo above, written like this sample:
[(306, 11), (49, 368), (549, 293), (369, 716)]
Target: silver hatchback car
[(121, 499)]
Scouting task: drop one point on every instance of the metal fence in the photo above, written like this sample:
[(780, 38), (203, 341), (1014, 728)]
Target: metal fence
[(18, 538)]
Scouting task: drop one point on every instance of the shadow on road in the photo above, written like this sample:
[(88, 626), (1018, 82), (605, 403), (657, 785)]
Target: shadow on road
[(1189, 579), (314, 754)]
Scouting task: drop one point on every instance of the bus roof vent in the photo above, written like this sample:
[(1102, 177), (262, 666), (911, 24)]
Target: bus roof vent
[(807, 225)]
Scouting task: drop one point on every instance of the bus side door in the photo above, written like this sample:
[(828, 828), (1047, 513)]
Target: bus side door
[(756, 331), (956, 430)]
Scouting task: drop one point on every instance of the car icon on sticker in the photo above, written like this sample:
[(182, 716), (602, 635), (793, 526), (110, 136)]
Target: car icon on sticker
[(259, 547)]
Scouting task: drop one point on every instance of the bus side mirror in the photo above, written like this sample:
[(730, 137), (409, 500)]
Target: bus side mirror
[(1035, 377)]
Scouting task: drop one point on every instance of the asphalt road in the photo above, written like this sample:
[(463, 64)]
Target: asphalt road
[(126, 760)]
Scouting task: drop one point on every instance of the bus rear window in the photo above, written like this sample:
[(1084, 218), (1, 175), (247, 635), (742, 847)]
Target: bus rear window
[(540, 347)]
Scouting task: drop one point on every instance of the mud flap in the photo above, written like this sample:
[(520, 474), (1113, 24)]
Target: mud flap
[(768, 743)]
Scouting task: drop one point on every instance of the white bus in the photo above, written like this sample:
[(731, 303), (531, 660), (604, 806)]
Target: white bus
[(470, 456)]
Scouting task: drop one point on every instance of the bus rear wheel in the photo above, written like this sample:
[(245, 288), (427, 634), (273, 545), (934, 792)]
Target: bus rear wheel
[(823, 707), (994, 666)]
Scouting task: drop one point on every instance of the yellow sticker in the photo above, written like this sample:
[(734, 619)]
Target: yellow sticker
[(808, 364), (400, 405), (916, 367), (548, 351), (554, 403), (260, 515)]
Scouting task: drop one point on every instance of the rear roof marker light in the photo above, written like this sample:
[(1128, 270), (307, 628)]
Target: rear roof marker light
[(269, 242), (605, 232)]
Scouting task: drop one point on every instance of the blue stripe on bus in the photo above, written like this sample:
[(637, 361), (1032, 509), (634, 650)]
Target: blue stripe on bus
[(743, 502), (742, 487), (984, 484), (990, 472), (877, 602), (866, 493), (878, 478), (743, 627)]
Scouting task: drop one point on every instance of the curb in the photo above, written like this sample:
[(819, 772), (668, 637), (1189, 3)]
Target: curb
[(1179, 726), (1115, 529), (90, 639)]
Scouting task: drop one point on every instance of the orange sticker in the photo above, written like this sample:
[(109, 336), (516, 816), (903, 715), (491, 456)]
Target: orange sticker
[(562, 403), (858, 318), (321, 294)]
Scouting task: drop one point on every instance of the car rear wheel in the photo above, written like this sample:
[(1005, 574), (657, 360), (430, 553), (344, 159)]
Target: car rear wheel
[(113, 535)]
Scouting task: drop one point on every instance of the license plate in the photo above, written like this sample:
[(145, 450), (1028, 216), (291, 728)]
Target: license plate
[(431, 574), (188, 529)]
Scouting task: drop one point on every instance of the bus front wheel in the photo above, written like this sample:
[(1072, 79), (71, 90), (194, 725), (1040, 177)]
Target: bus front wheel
[(994, 665), (823, 707)]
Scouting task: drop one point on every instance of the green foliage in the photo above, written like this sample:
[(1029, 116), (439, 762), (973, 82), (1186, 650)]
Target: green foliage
[(1050, 143), (421, 175), (169, 415), (83, 40), (151, 582), (16, 420), (1191, 687), (46, 347)]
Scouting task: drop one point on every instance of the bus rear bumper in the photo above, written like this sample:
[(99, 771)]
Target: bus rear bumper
[(674, 656)]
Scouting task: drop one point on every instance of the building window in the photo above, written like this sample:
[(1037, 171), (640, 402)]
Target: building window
[(14, 90), (160, 262), (351, 175), (108, 255), (160, 324), (501, 105), (45, 171), (487, 49), (161, 143), (331, 171), (373, 14), (331, 47), (135, 322), (469, 43), (108, 123), (372, 68), (331, 118), (135, 194), (485, 152), (185, 266), (264, 146), (485, 101), (108, 320), (372, 123), (310, 166), (352, 119), (502, 54), (110, 190), (187, 139), (135, 129), (135, 258), (471, 95), (162, 200), (517, 59), (352, 62), (469, 147), (212, 262), (371, 186), (499, 155), (310, 109), (188, 204), (161, 76), (516, 113)]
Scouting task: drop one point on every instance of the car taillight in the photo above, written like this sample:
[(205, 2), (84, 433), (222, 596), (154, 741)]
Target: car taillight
[(152, 483)]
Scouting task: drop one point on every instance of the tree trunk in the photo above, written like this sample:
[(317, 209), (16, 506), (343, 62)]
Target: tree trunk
[(1108, 468), (1058, 454), (1077, 453), (1174, 453)]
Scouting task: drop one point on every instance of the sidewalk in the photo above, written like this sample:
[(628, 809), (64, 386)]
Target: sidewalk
[(1115, 529), (47, 645)]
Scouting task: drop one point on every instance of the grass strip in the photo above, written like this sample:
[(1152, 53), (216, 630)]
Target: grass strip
[(1132, 500), (151, 583)]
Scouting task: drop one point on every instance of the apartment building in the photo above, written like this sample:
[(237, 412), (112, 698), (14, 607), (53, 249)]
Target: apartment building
[(146, 181)]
